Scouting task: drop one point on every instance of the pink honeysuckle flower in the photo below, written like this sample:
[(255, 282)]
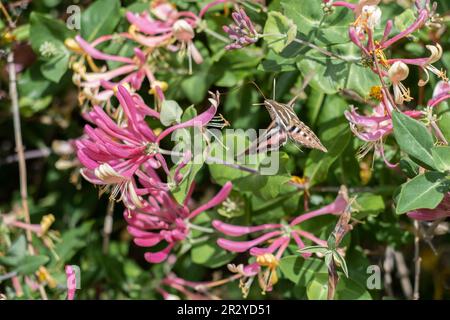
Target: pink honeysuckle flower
[(192, 290), (161, 218), (242, 32), (277, 237), (112, 154), (441, 211), (277, 234), (374, 128), (173, 27), (427, 64), (133, 71), (398, 72)]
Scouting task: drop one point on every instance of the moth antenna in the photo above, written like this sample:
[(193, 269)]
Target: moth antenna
[(259, 89)]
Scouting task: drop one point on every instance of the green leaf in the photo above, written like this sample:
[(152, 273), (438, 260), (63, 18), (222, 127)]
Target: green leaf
[(99, 19), (30, 264), (186, 141), (346, 289), (441, 156), (299, 270), (314, 249), (368, 204), (404, 20), (332, 74), (409, 167), (55, 68), (339, 259), (413, 138), (425, 191), (210, 254), (47, 36), (313, 24), (276, 25), (15, 253), (46, 29), (170, 112), (335, 139)]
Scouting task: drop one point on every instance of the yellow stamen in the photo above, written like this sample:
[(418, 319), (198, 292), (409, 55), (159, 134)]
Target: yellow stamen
[(161, 84), (46, 222), (376, 93)]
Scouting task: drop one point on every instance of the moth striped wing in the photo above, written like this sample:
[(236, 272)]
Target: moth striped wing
[(298, 132), (301, 134)]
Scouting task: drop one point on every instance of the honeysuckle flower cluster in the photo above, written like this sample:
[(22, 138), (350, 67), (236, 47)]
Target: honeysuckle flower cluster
[(242, 32), (123, 158), (278, 236), (123, 155), (372, 129), (119, 151)]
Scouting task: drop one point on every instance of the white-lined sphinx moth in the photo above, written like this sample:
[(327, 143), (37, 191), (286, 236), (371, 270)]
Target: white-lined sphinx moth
[(284, 120)]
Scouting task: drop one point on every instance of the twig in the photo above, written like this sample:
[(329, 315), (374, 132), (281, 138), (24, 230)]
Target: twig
[(417, 260), (388, 266), (19, 145), (403, 274), (32, 154), (107, 226), (324, 51), (21, 155)]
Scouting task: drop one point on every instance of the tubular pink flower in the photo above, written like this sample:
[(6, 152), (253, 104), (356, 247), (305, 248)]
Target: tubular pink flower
[(158, 257), (336, 207), (236, 231), (419, 23), (255, 251), (376, 126), (96, 54), (241, 32), (242, 246), (344, 4), (199, 121), (312, 237), (300, 244), (161, 218), (216, 200)]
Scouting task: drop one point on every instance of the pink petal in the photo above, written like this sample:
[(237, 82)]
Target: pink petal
[(158, 257), (236, 231), (218, 199), (242, 246)]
